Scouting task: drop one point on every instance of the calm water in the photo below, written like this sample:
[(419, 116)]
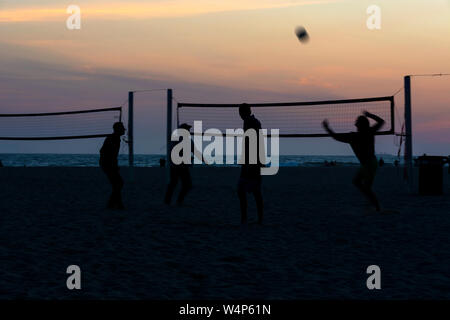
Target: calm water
[(91, 160)]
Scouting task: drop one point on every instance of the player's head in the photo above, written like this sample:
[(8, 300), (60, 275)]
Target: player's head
[(185, 126), (245, 111), (362, 123), (119, 128)]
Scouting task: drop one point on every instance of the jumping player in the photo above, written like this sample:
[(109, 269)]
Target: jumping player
[(363, 145)]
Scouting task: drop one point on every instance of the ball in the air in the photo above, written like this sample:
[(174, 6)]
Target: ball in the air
[(301, 34)]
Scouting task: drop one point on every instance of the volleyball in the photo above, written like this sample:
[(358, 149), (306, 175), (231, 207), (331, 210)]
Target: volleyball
[(301, 34)]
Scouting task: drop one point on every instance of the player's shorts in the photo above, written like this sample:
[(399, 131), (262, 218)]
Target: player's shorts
[(367, 171)]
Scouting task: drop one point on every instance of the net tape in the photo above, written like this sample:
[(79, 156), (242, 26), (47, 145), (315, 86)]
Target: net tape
[(81, 124)]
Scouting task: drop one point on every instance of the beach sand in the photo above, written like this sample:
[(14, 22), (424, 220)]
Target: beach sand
[(317, 241)]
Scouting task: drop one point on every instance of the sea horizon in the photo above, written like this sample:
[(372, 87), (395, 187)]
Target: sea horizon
[(153, 160)]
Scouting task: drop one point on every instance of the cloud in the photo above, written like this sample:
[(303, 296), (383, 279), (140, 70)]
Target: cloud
[(316, 82), (139, 10)]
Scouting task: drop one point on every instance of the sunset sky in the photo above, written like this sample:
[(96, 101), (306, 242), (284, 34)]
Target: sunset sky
[(224, 51)]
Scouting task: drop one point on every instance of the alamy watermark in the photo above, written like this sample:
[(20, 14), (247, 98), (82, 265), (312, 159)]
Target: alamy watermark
[(374, 20), (74, 280), (374, 281), (73, 22), (257, 147)]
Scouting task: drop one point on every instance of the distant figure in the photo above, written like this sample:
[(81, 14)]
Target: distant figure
[(250, 179), (180, 172), (109, 165), (396, 163), (1, 164), (162, 163), (363, 145), (381, 162)]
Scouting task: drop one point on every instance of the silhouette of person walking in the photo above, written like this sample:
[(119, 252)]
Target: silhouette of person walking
[(363, 145), (109, 165), (250, 178), (180, 172)]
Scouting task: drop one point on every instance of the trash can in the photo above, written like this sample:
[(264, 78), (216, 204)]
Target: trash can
[(431, 174)]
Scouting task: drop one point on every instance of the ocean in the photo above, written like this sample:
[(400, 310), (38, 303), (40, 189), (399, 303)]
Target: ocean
[(152, 160)]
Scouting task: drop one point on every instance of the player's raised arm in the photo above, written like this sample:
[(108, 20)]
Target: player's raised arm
[(342, 137), (379, 121)]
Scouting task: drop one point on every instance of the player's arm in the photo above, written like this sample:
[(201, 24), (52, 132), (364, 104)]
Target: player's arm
[(379, 122), (342, 137)]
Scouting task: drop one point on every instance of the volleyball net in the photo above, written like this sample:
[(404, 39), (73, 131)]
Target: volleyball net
[(293, 119), (81, 124)]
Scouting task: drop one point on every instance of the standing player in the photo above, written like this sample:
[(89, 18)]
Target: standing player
[(363, 145), (109, 165), (181, 172), (250, 179)]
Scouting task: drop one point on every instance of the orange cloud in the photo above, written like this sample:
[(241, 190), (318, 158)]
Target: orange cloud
[(23, 15)]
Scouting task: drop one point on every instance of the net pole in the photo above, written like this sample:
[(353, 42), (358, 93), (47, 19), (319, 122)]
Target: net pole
[(130, 129), (408, 132), (169, 130)]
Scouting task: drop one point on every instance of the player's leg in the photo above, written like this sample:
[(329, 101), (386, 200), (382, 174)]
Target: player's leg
[(368, 182), (116, 181), (173, 180), (186, 184), (363, 180), (118, 186), (358, 179), (372, 198), (108, 174)]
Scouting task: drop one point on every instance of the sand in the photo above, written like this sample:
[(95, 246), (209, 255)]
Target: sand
[(316, 243)]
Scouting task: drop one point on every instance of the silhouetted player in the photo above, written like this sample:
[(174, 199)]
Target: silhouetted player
[(250, 179), (108, 162), (180, 172), (363, 145)]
